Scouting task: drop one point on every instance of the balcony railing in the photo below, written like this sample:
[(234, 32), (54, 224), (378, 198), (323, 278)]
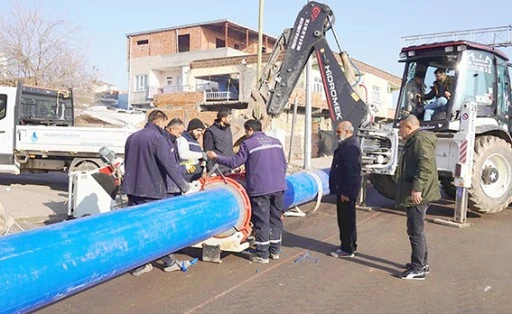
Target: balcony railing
[(219, 95)]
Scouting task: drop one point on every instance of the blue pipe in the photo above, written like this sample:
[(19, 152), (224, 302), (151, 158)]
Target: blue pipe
[(44, 265), (302, 187), (41, 266)]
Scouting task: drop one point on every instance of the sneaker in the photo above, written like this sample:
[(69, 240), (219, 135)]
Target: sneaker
[(256, 259), (274, 256), (426, 269), (341, 254), (410, 274), (142, 269)]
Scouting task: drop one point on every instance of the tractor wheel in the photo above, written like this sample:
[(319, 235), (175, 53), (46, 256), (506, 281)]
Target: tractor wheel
[(384, 184), (448, 187), (491, 184)]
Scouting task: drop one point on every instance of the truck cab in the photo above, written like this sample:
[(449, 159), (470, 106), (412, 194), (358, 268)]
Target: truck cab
[(472, 73)]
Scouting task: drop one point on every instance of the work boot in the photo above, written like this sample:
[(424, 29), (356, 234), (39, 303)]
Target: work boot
[(142, 269), (257, 259), (274, 256)]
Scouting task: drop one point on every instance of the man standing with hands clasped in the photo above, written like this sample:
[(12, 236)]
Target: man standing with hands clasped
[(417, 187), (345, 183)]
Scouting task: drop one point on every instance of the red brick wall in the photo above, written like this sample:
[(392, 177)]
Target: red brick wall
[(178, 99)]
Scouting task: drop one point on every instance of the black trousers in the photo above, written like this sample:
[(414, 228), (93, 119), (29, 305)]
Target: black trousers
[(346, 212), (267, 223), (137, 200), (416, 233)]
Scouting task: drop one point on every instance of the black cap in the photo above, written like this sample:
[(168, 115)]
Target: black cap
[(195, 124)]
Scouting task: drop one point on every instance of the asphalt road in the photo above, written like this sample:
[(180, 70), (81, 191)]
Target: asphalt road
[(469, 272)]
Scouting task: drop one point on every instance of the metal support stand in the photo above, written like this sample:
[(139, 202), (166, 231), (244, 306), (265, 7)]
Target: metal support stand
[(361, 201), (464, 167)]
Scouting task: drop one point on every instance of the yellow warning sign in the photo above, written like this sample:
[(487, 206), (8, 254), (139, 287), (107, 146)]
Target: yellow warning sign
[(355, 96)]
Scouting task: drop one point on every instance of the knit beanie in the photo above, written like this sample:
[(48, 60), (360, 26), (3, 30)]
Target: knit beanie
[(195, 124)]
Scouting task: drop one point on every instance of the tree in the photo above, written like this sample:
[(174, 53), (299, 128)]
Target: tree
[(41, 50)]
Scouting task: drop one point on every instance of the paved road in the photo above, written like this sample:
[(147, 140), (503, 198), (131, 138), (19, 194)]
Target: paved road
[(469, 273)]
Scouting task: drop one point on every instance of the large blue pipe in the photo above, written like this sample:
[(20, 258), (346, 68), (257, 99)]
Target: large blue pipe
[(41, 266)]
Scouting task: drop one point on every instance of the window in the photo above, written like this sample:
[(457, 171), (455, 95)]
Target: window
[(141, 83), (263, 49), (376, 94), (184, 43), (142, 42), (317, 84), (236, 46), (219, 43), (169, 80), (3, 106)]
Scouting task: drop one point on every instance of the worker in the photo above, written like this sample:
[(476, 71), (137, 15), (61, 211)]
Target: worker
[(190, 151), (265, 166), (147, 165), (218, 138), (415, 89), (441, 90), (417, 187), (345, 183), (175, 129)]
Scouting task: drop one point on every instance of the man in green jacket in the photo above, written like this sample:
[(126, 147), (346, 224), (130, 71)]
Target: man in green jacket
[(417, 187)]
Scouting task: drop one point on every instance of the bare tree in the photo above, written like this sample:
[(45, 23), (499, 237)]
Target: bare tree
[(45, 51)]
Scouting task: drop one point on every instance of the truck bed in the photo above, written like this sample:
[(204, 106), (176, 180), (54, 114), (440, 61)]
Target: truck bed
[(72, 140)]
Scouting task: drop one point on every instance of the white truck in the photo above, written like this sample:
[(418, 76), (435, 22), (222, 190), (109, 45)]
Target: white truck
[(37, 133)]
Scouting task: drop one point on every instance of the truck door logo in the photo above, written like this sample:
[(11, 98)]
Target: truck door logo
[(34, 137)]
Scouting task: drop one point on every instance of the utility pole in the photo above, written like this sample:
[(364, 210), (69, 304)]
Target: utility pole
[(308, 117), (260, 41)]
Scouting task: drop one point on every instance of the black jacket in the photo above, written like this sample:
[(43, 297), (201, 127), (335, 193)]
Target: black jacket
[(345, 175), (220, 140)]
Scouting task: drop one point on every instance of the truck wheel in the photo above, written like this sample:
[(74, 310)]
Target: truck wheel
[(448, 187), (384, 184), (84, 164), (491, 184)]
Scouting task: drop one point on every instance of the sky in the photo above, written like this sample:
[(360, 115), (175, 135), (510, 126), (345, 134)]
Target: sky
[(369, 30)]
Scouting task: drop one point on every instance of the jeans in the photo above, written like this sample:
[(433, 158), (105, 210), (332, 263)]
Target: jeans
[(266, 219), (431, 108), (415, 230), (346, 212)]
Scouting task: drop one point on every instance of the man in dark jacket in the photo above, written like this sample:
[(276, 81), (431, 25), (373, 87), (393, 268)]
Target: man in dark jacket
[(148, 163), (219, 139), (265, 166), (190, 151), (345, 183), (417, 187), (441, 90)]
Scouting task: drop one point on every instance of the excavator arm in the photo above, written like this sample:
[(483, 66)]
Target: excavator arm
[(308, 37)]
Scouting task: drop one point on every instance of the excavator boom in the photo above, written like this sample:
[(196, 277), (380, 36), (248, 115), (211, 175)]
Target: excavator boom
[(308, 37)]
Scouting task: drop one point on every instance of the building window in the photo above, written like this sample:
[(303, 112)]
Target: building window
[(263, 49), (142, 42), (141, 83), (3, 106), (219, 43), (169, 80), (236, 46), (184, 43), (317, 84), (376, 94)]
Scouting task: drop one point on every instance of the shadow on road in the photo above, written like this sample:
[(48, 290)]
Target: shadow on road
[(54, 180)]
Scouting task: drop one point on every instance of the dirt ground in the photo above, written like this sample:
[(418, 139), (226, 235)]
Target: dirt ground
[(469, 272)]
